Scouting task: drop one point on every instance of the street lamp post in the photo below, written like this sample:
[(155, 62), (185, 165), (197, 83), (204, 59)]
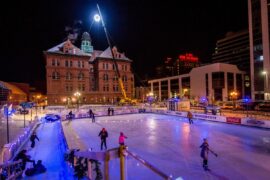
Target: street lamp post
[(77, 94), (7, 114), (234, 97), (266, 87)]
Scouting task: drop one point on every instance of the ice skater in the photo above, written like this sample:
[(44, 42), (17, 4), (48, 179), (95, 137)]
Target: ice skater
[(190, 116), (204, 153), (33, 137), (70, 115), (103, 135), (109, 111), (25, 158), (90, 113), (122, 138), (112, 110), (93, 118)]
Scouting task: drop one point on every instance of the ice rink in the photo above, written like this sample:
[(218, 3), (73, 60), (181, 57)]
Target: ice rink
[(171, 144)]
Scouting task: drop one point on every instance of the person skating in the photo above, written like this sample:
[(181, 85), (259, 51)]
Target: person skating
[(33, 138), (37, 169), (25, 158), (109, 111), (90, 113), (112, 110), (204, 153), (93, 118), (103, 135), (190, 116), (70, 115), (122, 138)]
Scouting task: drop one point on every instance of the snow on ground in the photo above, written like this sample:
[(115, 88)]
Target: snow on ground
[(172, 145)]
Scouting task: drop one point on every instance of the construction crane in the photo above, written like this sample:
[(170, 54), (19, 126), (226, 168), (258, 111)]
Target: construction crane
[(125, 99)]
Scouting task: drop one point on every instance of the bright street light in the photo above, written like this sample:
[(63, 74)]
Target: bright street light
[(77, 94), (97, 17), (266, 86)]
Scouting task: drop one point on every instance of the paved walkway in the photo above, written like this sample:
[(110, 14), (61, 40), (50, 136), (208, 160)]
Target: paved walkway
[(50, 149)]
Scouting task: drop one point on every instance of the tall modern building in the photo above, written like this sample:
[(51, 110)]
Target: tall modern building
[(234, 49), (90, 72), (258, 15)]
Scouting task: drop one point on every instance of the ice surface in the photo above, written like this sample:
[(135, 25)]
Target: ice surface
[(172, 145), (50, 149)]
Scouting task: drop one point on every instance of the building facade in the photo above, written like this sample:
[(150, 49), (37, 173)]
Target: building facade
[(234, 49), (11, 93), (215, 82), (89, 72), (258, 15)]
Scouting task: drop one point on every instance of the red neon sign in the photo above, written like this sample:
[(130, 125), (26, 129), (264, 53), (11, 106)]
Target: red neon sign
[(188, 57)]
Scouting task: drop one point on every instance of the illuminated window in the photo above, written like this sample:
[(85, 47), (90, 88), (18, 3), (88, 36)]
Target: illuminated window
[(55, 75), (68, 76), (80, 76), (105, 77)]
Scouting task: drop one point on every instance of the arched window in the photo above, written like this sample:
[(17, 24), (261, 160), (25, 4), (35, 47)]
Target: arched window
[(68, 76), (55, 75), (105, 77), (124, 78), (80, 76), (115, 78)]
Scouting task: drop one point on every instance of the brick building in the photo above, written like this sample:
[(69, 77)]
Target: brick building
[(90, 72)]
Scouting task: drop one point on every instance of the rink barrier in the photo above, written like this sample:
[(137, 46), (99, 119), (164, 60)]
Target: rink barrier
[(246, 121), (102, 111), (10, 150)]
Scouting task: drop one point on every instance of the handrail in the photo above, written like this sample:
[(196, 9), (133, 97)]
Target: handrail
[(147, 164), (12, 173)]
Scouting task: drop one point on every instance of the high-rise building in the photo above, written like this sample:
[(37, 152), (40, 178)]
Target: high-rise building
[(90, 72), (258, 15), (234, 49)]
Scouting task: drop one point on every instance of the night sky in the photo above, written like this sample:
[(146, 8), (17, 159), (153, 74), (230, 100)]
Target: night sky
[(147, 31)]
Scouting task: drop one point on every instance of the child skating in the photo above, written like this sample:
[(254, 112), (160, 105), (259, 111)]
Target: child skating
[(204, 153)]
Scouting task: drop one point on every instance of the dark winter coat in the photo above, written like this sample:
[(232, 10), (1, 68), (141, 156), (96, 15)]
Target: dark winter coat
[(204, 150), (33, 137), (103, 134)]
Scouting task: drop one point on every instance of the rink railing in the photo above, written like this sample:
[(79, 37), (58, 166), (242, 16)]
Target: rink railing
[(82, 112), (246, 121), (10, 150), (123, 160)]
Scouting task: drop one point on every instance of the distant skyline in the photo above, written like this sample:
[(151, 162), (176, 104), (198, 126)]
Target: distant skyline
[(147, 31)]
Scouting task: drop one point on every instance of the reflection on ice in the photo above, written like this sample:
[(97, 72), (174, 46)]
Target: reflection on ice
[(172, 145)]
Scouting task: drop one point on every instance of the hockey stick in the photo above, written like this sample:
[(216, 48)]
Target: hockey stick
[(213, 152)]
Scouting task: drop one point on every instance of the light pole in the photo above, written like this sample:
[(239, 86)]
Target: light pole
[(6, 112), (77, 94), (266, 88), (234, 97)]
